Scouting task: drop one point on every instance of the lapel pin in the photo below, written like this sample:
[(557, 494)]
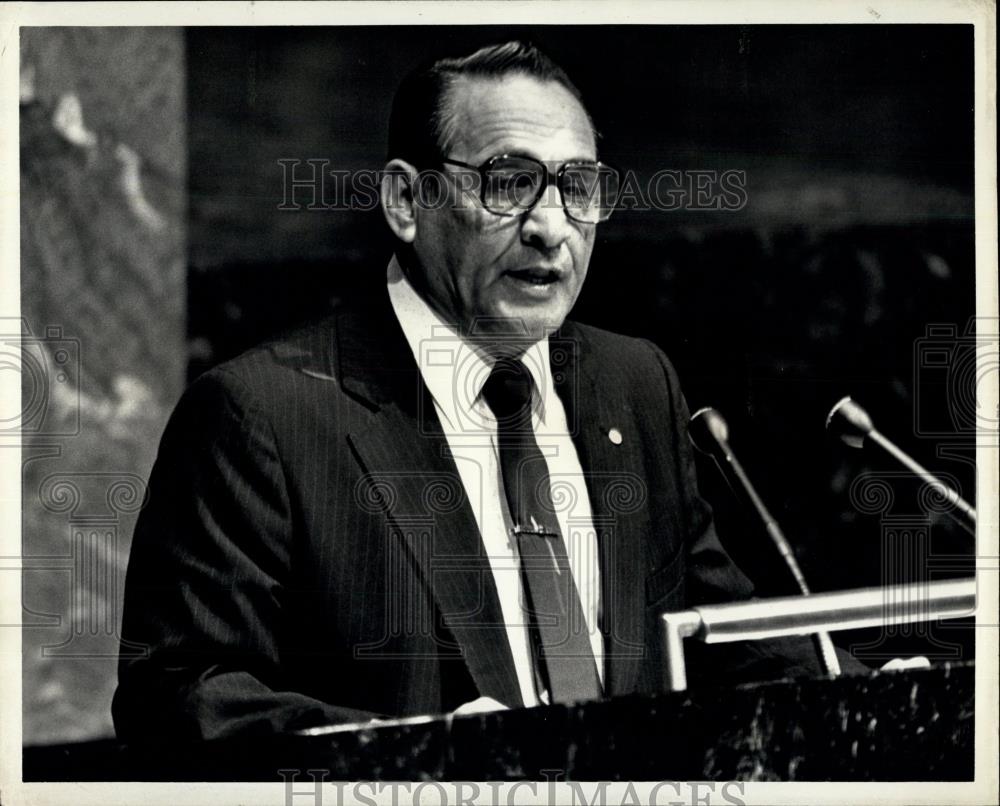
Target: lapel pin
[(615, 436)]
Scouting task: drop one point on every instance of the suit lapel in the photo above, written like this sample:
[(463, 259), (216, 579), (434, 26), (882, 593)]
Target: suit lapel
[(410, 470), (616, 486), (405, 455)]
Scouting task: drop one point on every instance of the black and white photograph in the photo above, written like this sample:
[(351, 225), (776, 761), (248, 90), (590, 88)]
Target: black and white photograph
[(499, 403)]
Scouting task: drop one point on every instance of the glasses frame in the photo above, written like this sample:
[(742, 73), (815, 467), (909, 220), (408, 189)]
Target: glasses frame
[(548, 177)]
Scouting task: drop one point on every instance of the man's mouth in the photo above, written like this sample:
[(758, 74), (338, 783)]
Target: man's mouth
[(535, 276)]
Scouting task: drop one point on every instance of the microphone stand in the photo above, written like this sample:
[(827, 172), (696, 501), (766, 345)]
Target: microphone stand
[(853, 425), (710, 434)]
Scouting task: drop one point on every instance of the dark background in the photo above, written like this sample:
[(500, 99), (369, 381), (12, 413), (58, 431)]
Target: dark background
[(857, 236)]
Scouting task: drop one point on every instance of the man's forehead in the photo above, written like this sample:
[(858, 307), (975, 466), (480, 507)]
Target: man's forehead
[(519, 114)]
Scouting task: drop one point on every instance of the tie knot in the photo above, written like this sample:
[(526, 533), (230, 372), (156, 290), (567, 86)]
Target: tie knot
[(508, 389)]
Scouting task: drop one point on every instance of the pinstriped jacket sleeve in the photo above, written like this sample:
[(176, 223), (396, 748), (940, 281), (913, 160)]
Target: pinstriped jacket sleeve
[(205, 586)]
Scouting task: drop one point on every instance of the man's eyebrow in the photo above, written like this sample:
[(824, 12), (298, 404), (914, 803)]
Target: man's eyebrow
[(510, 152), (518, 152)]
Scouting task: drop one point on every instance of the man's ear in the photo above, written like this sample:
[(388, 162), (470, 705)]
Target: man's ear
[(398, 197)]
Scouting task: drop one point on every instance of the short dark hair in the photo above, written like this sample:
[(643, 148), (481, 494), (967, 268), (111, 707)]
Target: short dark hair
[(419, 119)]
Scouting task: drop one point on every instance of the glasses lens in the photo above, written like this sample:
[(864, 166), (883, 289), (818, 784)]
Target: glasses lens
[(512, 185), (589, 191)]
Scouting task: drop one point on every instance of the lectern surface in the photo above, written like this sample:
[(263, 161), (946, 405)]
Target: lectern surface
[(913, 725)]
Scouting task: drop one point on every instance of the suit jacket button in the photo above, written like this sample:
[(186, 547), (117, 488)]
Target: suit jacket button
[(615, 436)]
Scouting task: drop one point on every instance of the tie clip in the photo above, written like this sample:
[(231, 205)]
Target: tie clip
[(538, 531)]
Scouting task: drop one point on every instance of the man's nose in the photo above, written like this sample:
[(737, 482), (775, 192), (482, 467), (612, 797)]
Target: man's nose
[(546, 225)]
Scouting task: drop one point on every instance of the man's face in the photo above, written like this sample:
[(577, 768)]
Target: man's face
[(522, 272)]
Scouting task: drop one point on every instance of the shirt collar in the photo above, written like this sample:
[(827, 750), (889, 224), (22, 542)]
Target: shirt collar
[(454, 370)]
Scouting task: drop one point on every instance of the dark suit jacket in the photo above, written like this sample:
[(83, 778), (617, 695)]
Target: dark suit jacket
[(307, 553)]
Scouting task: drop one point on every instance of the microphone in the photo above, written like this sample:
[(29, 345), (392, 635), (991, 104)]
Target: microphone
[(851, 423), (709, 433)]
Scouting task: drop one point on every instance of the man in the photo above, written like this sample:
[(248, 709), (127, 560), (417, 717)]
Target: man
[(448, 499)]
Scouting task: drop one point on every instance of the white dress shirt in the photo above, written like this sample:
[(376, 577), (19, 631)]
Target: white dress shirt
[(454, 373)]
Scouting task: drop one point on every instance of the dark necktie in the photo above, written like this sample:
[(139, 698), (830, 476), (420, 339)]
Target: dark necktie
[(564, 659)]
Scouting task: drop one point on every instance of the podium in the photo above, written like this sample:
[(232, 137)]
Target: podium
[(915, 725)]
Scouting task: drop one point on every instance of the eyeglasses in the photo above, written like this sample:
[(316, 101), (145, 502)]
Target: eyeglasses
[(511, 185)]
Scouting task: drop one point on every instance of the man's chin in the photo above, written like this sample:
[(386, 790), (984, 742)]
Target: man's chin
[(532, 323), (513, 330)]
